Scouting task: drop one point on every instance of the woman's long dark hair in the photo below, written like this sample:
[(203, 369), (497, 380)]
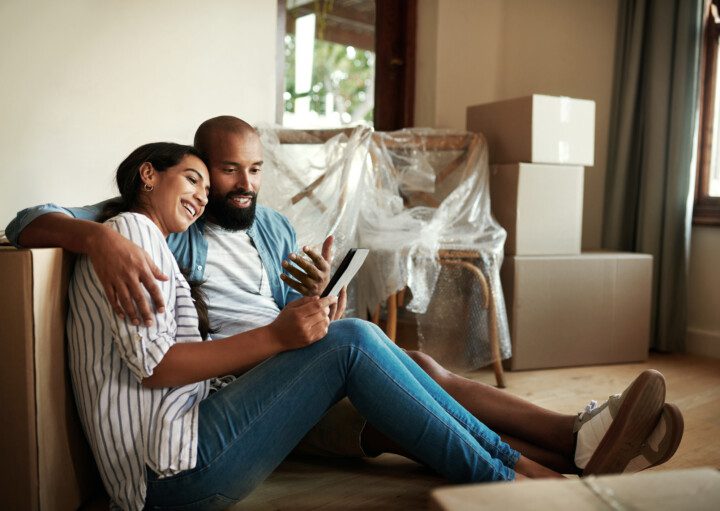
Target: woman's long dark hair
[(162, 156)]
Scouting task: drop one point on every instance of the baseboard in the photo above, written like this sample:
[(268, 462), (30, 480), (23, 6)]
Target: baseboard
[(703, 342)]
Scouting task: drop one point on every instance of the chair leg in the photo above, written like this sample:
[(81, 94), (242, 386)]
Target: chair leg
[(495, 344), (492, 319), (391, 325)]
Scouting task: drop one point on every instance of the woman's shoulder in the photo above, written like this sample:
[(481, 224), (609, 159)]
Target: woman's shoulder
[(139, 229), (134, 225)]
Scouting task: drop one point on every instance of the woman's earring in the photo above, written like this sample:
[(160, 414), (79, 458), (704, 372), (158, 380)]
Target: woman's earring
[(148, 188)]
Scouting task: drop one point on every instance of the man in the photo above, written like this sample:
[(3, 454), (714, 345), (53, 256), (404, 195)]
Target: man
[(239, 251)]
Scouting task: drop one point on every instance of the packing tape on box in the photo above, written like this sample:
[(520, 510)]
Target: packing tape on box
[(565, 118), (565, 110)]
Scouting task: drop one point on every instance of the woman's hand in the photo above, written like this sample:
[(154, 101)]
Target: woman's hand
[(309, 278), (302, 322), (124, 269)]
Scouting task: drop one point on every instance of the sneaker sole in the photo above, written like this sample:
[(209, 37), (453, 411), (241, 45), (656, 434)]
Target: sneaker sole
[(638, 415)]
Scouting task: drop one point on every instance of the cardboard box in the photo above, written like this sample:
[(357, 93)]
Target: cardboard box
[(540, 207), (537, 129), (46, 461), (697, 489), (587, 309)]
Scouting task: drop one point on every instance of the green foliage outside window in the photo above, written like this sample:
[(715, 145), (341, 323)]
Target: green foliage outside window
[(347, 73)]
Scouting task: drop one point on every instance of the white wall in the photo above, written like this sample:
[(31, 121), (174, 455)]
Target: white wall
[(704, 292), (476, 51), (83, 82)]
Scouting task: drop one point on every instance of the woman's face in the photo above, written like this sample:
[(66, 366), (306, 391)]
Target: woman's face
[(179, 194)]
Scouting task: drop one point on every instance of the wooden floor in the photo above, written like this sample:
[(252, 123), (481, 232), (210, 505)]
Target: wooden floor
[(393, 483)]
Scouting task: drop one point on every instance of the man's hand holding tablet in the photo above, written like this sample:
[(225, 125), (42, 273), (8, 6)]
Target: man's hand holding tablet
[(346, 271)]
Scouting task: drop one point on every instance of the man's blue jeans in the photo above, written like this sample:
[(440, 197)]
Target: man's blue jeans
[(248, 428)]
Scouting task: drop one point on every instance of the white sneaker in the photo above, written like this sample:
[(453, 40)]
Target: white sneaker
[(609, 436)]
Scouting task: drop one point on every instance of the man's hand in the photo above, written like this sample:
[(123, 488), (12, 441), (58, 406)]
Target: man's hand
[(123, 269), (310, 277), (302, 322)]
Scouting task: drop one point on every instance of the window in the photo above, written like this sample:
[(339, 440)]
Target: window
[(329, 63), (707, 192), (346, 62)]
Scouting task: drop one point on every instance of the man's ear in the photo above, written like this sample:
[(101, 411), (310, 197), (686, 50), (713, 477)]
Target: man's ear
[(147, 173)]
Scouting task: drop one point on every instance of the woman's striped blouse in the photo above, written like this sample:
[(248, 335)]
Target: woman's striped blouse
[(130, 426)]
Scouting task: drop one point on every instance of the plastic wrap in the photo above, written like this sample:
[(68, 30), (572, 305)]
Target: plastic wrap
[(406, 196), (319, 185)]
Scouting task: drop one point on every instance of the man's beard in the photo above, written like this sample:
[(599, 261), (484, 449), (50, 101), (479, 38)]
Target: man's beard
[(227, 216)]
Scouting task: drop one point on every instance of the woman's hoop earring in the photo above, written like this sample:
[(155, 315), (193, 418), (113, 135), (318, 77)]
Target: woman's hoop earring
[(147, 188)]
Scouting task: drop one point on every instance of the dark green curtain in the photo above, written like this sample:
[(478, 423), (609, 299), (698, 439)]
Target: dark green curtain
[(651, 149)]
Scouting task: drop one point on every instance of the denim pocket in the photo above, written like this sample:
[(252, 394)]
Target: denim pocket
[(215, 502)]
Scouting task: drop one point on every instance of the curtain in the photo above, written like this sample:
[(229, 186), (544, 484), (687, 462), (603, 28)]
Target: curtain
[(651, 150)]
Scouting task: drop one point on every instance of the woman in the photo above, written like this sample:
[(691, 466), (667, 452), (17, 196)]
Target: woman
[(161, 440)]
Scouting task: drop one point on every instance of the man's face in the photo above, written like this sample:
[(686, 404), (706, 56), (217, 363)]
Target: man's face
[(235, 172)]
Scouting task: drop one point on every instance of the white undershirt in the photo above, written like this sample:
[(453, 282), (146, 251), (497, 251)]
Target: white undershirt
[(236, 283)]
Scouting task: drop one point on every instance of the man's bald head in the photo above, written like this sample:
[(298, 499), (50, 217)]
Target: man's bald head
[(235, 156), (209, 131)]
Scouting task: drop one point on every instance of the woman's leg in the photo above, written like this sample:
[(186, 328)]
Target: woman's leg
[(248, 428)]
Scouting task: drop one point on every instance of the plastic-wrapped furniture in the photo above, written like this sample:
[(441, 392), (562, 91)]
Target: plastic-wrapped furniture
[(419, 200), (454, 246)]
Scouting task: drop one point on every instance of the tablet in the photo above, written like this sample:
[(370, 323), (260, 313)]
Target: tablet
[(346, 271)]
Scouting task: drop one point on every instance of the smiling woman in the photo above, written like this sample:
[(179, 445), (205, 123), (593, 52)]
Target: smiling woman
[(167, 182), (163, 189)]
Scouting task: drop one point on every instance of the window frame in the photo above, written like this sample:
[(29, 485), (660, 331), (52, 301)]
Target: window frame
[(706, 210)]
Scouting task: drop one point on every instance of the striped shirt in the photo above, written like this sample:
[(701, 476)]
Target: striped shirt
[(129, 426), (237, 285)]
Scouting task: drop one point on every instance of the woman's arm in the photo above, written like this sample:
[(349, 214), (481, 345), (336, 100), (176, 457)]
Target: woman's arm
[(299, 324)]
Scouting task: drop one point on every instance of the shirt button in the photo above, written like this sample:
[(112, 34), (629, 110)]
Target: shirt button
[(199, 267)]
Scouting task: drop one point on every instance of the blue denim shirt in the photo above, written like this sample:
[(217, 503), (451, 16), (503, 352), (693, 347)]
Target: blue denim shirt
[(271, 233)]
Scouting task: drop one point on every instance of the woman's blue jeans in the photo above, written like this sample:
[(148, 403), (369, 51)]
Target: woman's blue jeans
[(248, 428)]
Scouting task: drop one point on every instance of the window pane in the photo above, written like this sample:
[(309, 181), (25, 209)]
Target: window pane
[(329, 63)]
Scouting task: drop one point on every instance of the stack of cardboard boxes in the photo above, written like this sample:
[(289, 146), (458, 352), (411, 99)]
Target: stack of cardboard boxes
[(564, 307)]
